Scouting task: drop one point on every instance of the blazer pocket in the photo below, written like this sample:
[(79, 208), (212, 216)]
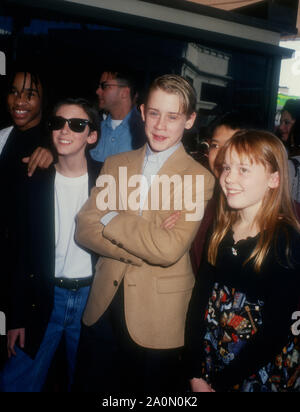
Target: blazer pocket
[(175, 284)]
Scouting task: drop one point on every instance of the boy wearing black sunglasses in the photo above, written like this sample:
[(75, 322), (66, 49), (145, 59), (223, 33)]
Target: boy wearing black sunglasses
[(52, 274)]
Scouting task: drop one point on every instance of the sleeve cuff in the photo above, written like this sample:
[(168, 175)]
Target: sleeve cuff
[(105, 220)]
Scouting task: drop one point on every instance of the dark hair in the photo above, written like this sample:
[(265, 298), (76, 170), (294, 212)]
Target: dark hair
[(89, 109), (232, 120), (124, 76), (36, 79), (292, 106)]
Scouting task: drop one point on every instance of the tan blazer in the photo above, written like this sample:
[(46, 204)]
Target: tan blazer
[(154, 262)]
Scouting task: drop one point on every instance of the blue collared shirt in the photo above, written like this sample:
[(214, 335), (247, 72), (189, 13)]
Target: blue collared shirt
[(129, 135)]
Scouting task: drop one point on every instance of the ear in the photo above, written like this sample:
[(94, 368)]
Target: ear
[(125, 92), (142, 107), (190, 121), (92, 137), (274, 180)]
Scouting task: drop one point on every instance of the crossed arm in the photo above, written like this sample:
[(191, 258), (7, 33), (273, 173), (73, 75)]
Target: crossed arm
[(135, 238)]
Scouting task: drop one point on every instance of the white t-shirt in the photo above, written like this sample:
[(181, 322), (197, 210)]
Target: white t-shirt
[(71, 261)]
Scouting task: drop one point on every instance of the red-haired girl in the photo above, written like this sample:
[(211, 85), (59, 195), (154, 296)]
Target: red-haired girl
[(238, 332)]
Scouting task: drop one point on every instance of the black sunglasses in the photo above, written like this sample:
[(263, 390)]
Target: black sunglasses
[(76, 125)]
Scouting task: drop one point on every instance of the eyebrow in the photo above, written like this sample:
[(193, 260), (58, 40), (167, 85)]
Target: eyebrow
[(30, 89), (241, 163), (157, 110)]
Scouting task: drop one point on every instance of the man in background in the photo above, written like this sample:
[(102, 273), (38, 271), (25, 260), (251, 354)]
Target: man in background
[(122, 129)]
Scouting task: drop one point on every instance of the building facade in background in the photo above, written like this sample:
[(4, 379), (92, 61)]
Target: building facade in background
[(233, 59)]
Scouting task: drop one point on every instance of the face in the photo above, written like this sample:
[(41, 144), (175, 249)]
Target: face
[(25, 102), (245, 184), (109, 97), (67, 142), (164, 121), (220, 137), (286, 124)]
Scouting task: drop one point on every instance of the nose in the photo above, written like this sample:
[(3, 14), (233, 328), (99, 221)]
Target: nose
[(161, 122), (228, 176), (66, 128), (20, 99), (99, 90)]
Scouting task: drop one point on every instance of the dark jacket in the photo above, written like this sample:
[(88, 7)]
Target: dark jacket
[(33, 271), (19, 144)]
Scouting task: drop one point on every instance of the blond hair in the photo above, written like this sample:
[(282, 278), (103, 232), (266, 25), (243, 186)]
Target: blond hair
[(277, 206), (175, 84)]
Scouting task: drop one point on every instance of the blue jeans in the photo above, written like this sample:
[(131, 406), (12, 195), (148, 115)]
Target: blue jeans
[(24, 374)]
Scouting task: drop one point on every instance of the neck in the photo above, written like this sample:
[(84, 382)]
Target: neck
[(245, 226), (119, 113), (246, 219), (32, 124), (71, 166), (248, 215)]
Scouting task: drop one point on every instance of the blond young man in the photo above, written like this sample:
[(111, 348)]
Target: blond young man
[(133, 325)]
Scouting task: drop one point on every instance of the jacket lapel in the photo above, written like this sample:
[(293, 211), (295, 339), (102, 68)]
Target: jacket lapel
[(128, 184), (174, 166), (42, 218)]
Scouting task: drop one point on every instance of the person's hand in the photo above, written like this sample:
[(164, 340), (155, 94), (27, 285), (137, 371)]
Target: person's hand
[(200, 385), (12, 336), (170, 222), (41, 158)]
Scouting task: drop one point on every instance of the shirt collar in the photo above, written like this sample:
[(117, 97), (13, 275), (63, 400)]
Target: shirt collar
[(125, 121), (161, 157)]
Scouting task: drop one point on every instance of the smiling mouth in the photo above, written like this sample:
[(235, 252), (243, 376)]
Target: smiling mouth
[(159, 138), (64, 141), (232, 192), (19, 113)]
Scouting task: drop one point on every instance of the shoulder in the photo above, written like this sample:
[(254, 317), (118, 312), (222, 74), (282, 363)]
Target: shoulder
[(94, 166), (287, 242), (42, 175), (193, 164), (33, 187), (135, 115), (125, 157), (294, 165), (195, 167), (4, 133)]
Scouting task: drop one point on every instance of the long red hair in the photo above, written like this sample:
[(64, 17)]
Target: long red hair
[(277, 206)]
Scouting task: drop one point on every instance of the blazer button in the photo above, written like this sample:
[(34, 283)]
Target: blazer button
[(116, 283)]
